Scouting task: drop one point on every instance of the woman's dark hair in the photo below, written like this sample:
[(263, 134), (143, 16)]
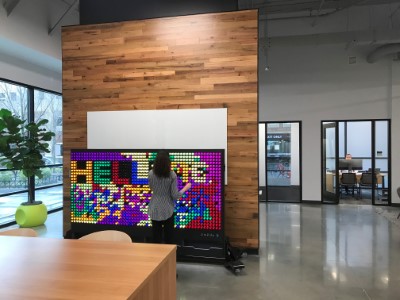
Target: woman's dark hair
[(162, 164)]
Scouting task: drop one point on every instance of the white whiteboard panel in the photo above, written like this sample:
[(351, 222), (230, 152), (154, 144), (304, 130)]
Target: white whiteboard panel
[(158, 129)]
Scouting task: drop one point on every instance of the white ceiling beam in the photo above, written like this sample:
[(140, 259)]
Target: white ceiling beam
[(62, 17), (318, 13), (9, 6)]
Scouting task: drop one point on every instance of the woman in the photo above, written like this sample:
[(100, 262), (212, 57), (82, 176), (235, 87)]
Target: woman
[(163, 183)]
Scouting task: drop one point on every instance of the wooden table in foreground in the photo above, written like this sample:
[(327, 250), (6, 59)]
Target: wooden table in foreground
[(44, 268)]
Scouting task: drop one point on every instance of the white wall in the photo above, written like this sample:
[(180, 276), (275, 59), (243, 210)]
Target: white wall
[(32, 74), (29, 22), (312, 84), (28, 54), (311, 80)]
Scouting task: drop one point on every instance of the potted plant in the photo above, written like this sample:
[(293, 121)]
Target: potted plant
[(21, 148)]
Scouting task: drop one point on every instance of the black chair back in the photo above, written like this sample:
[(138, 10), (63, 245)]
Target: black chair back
[(349, 178), (366, 179)]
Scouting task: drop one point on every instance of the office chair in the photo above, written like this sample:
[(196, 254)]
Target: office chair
[(348, 180), (29, 232), (365, 182), (108, 235)]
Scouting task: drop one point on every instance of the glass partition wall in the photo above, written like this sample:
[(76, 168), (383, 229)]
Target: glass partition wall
[(355, 162), (381, 161)]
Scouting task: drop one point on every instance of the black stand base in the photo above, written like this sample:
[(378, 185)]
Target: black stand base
[(233, 255), (235, 266), (210, 252)]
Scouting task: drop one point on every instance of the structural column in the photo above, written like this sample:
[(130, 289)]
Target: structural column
[(395, 111)]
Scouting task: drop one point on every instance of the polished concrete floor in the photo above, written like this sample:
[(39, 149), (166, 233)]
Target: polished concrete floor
[(306, 252)]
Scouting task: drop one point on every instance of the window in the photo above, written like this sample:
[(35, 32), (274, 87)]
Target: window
[(13, 184), (49, 106)]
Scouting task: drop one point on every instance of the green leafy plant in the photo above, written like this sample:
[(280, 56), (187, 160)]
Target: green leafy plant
[(22, 144)]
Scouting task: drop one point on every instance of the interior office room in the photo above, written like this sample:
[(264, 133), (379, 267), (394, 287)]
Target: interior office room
[(360, 165), (304, 83)]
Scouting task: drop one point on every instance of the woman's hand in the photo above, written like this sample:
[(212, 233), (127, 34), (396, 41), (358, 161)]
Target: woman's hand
[(186, 187)]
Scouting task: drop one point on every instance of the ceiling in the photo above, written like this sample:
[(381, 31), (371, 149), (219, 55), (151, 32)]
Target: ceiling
[(269, 10), (305, 7), (68, 6)]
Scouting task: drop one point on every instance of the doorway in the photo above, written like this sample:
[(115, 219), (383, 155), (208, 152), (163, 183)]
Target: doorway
[(356, 162), (283, 161)]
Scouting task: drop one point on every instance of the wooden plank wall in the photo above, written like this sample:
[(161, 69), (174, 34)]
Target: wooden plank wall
[(189, 62)]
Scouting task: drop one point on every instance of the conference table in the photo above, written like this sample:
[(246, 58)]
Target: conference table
[(44, 268), (330, 180)]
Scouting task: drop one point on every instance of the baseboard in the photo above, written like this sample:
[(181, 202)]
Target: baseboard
[(251, 251), (311, 202)]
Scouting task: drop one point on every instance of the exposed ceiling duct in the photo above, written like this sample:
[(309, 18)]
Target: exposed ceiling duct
[(287, 9), (383, 51)]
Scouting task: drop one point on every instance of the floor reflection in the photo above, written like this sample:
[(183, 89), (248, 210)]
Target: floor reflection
[(335, 246), (51, 197), (306, 252)]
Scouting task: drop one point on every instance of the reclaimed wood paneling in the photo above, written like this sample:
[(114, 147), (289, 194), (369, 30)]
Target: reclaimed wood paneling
[(190, 62)]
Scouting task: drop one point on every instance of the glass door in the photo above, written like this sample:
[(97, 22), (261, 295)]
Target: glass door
[(283, 163), (381, 162), (358, 141), (330, 180)]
